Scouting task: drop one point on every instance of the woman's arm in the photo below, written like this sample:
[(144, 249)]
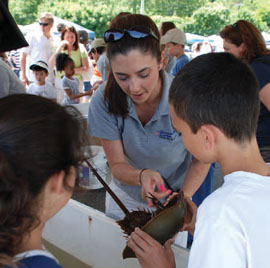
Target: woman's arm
[(195, 176), (265, 96), (84, 68), (52, 58), (125, 173)]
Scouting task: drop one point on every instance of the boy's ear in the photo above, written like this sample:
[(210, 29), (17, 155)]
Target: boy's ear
[(56, 182), (209, 136)]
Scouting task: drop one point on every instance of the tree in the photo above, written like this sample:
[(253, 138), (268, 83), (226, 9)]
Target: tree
[(91, 17), (208, 19), (24, 12)]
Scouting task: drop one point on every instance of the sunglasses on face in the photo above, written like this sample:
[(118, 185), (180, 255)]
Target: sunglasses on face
[(137, 32), (43, 24)]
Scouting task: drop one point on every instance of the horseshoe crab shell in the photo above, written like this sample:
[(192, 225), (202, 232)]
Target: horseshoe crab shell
[(165, 224)]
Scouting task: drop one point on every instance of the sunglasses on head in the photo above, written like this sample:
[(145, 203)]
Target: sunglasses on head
[(137, 32), (236, 28), (43, 24)]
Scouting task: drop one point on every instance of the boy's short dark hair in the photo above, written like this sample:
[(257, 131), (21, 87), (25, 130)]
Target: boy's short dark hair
[(217, 89), (99, 50)]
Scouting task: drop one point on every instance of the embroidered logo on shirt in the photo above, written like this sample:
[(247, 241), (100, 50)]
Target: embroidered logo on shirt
[(166, 135)]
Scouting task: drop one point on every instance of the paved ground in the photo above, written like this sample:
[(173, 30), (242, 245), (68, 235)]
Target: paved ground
[(96, 198)]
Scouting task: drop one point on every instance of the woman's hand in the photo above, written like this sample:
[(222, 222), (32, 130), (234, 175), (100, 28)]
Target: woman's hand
[(150, 253), (63, 43), (152, 183)]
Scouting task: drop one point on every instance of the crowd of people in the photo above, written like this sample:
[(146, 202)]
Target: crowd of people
[(43, 46), (163, 121)]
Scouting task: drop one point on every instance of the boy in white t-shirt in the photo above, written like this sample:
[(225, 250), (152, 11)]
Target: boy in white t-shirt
[(214, 104), (41, 87)]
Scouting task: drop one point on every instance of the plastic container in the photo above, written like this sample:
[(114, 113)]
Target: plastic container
[(98, 160)]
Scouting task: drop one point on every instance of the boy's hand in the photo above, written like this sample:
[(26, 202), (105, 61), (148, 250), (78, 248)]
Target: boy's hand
[(150, 253), (190, 219), (191, 215)]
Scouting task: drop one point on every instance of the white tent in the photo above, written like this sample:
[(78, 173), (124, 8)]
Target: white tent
[(193, 38), (35, 26), (266, 37)]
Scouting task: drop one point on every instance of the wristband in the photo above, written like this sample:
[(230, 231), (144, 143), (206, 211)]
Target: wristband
[(140, 175)]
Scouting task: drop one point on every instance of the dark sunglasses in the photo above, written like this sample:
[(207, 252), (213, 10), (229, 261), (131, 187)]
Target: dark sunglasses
[(236, 28), (137, 32), (43, 24)]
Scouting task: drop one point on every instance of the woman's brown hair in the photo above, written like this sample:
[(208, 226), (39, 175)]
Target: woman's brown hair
[(72, 30), (245, 32), (166, 26), (117, 101)]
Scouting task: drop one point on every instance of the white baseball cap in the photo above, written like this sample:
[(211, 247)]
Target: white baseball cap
[(174, 36), (40, 64)]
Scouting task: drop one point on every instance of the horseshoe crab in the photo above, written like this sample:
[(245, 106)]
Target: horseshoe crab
[(161, 224)]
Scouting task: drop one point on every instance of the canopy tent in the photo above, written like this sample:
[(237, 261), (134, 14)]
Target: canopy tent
[(35, 26), (194, 38), (266, 37)]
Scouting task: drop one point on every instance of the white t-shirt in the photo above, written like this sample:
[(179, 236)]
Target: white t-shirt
[(47, 90), (233, 225), (40, 48)]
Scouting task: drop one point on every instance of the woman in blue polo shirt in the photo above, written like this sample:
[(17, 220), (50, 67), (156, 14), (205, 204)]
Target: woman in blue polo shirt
[(131, 116)]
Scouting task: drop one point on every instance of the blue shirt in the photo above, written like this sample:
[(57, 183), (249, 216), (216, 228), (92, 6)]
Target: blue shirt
[(179, 64), (155, 146), (37, 262), (261, 68)]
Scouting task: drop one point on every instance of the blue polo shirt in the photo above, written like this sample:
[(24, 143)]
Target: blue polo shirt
[(155, 146)]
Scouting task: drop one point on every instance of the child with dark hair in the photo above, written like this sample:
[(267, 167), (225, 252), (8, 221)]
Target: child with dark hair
[(70, 83), (41, 87), (214, 104), (41, 145)]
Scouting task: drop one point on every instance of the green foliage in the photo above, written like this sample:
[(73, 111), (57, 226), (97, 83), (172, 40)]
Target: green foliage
[(203, 17), (208, 19), (264, 14), (94, 17), (24, 12), (172, 8)]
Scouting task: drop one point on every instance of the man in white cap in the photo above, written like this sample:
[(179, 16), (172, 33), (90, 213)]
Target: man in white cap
[(174, 41), (98, 52), (40, 48)]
